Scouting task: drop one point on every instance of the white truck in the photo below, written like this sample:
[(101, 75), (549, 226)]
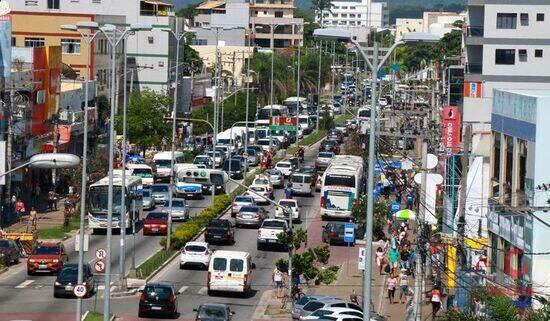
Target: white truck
[(268, 231)]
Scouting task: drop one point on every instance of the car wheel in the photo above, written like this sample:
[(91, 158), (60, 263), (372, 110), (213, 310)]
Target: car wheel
[(259, 247), (29, 272), (181, 266), (141, 315), (210, 292), (55, 295)]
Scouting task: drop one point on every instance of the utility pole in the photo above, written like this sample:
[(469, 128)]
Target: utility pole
[(463, 188), (9, 141), (234, 79), (319, 86), (419, 237)]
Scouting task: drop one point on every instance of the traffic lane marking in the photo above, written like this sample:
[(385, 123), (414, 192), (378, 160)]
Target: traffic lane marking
[(24, 284), (182, 289)]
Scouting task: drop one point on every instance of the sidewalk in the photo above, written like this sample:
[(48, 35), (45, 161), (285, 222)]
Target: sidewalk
[(45, 220)]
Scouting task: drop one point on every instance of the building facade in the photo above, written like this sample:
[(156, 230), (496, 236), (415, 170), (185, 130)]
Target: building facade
[(404, 25), (518, 224), (148, 48), (215, 16), (274, 24), (440, 23), (357, 16)]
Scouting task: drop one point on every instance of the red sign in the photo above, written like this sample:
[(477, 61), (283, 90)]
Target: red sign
[(283, 121), (452, 133), (473, 89)]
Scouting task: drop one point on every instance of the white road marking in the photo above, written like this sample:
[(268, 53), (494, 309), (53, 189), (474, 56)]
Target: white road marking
[(24, 284), (203, 290), (182, 289)]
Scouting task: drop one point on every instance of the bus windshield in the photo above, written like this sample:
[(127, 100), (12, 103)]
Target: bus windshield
[(163, 162), (364, 113), (142, 172), (223, 141), (340, 180), (99, 198)]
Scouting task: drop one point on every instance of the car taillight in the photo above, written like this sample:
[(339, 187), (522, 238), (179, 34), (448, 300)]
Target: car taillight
[(332, 234), (172, 299), (205, 232), (246, 279), (256, 216), (323, 202), (142, 298), (208, 278), (228, 233)]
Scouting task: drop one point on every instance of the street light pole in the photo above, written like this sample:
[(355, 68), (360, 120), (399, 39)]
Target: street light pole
[(272, 44), (247, 94), (122, 260), (299, 105), (319, 86)]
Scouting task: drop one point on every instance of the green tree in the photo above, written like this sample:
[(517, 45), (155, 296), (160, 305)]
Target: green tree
[(188, 12), (311, 263), (145, 119), (318, 6), (380, 213), (103, 110)]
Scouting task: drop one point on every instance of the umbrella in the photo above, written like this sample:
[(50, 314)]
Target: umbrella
[(405, 215)]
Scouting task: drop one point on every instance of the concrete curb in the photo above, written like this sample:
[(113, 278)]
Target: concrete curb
[(4, 270), (121, 294)]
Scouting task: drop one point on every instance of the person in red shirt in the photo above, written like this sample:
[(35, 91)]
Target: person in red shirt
[(20, 208)]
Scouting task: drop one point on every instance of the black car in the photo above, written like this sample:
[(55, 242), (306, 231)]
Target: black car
[(213, 312), (234, 168), (333, 233), (330, 145), (220, 231), (9, 252), (158, 299), (67, 278)]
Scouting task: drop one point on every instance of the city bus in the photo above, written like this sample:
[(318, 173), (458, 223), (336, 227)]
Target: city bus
[(264, 114), (205, 177), (342, 184), (291, 104), (98, 201)]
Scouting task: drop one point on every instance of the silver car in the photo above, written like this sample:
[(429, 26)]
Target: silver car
[(276, 178), (180, 209), (251, 215), (160, 192), (239, 202), (147, 200), (315, 305), (253, 157), (302, 301), (323, 160)]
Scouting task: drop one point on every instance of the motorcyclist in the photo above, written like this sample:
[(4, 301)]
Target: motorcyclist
[(300, 153)]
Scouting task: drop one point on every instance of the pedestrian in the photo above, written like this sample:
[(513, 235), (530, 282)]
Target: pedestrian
[(393, 255), (403, 285), (410, 201), (52, 200), (379, 257), (277, 278), (288, 191), (33, 218), (436, 301), (391, 283), (405, 256), (20, 209)]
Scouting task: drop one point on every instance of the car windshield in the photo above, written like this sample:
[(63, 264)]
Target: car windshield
[(257, 188), (214, 154), (326, 155), (142, 172), (283, 165), (303, 120), (4, 244), (146, 193), (320, 313), (211, 312), (263, 142), (163, 162), (157, 216), (243, 199), (233, 164), (202, 159), (253, 209), (195, 248), (287, 204), (251, 152), (261, 181), (303, 300), (159, 188), (68, 273), (306, 170), (218, 223), (157, 292), (46, 250), (278, 225), (274, 172)]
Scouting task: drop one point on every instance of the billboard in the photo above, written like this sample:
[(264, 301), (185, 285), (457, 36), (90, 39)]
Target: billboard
[(451, 131), (5, 43)]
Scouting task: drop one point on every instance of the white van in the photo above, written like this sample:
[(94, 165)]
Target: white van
[(302, 183), (163, 160), (143, 171), (230, 271)]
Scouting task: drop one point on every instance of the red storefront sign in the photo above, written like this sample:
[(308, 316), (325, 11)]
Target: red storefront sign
[(452, 133), (283, 121)]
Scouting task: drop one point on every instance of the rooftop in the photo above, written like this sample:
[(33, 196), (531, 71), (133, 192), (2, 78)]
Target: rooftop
[(538, 93)]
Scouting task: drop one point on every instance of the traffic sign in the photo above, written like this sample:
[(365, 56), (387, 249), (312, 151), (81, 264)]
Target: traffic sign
[(100, 254), (361, 260), (283, 127), (79, 290), (349, 233), (283, 121), (99, 266)]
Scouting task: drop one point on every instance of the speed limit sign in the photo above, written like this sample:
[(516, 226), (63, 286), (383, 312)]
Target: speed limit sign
[(79, 290)]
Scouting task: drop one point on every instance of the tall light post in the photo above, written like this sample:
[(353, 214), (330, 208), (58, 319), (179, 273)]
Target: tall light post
[(250, 33), (375, 65), (178, 37), (319, 86), (88, 31), (299, 106), (114, 37)]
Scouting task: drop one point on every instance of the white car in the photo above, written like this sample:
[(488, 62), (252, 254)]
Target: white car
[(263, 181), (195, 253), (338, 313), (382, 102), (260, 194), (268, 231), (285, 167), (292, 205)]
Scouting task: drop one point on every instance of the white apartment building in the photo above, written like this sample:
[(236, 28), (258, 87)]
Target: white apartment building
[(404, 25), (440, 23), (145, 49), (356, 16)]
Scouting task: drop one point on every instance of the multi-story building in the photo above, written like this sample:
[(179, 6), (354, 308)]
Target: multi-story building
[(404, 25), (440, 23), (274, 23), (224, 21), (147, 48), (356, 16)]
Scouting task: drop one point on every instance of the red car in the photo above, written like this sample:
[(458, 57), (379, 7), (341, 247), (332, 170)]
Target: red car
[(155, 223), (47, 257)]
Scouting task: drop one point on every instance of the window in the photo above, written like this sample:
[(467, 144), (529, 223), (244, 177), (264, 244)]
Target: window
[(358, 15), (53, 4), (278, 14), (507, 20), (31, 3), (151, 40), (522, 55), (540, 16), (70, 46), (34, 42), (524, 19), (13, 41), (352, 8), (344, 15), (352, 15), (538, 53), (505, 56), (344, 7), (219, 264), (96, 1), (236, 265), (161, 64)]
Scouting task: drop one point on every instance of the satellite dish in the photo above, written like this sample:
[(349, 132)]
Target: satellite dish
[(432, 161)]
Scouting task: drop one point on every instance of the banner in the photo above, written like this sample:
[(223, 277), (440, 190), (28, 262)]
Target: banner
[(451, 131), (473, 89)]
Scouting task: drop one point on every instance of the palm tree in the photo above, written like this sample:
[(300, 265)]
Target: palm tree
[(320, 6)]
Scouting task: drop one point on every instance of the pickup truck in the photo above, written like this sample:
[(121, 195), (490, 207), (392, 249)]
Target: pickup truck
[(268, 231)]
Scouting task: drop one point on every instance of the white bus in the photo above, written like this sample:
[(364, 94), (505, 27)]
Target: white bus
[(292, 104), (144, 171), (363, 114), (163, 161), (98, 201), (341, 186), (264, 114)]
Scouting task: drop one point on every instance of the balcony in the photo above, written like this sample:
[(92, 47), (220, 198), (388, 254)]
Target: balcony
[(474, 68), (475, 31)]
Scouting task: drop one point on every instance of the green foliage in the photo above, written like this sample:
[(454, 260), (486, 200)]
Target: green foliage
[(103, 110), (502, 308), (94, 316), (455, 315), (380, 213), (153, 263), (327, 122), (58, 232), (318, 6), (145, 119)]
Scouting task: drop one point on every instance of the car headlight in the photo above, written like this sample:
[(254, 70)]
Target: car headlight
[(55, 261), (57, 283), (30, 260)]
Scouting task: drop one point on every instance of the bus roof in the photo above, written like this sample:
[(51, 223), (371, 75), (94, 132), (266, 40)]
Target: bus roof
[(117, 181), (295, 99), (167, 155), (274, 107)]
